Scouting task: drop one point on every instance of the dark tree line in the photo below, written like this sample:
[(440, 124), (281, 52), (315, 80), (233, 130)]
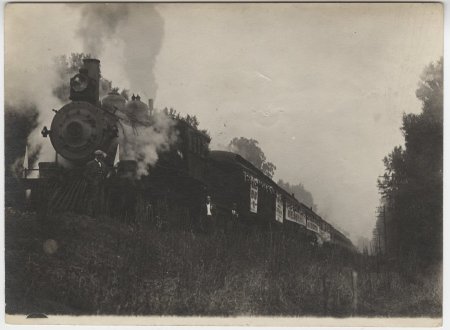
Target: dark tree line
[(412, 185)]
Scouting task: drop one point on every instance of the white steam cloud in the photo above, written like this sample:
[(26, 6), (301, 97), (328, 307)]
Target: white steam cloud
[(139, 29), (143, 143), (25, 89), (133, 32), (31, 45)]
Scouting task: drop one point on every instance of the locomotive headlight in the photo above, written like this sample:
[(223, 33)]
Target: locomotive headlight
[(79, 82)]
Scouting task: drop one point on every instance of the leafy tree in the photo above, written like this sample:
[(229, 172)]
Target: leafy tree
[(20, 121), (249, 149), (430, 90), (299, 192), (125, 93), (412, 185), (190, 120), (394, 175)]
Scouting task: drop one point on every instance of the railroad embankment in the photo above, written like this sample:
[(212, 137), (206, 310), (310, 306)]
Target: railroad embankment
[(79, 265)]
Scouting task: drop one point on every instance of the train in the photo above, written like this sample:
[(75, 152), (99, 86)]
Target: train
[(173, 190)]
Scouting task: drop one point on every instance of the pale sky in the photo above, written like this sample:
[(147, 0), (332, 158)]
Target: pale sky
[(322, 87)]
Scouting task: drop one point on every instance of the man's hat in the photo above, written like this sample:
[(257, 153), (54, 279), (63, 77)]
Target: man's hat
[(99, 152)]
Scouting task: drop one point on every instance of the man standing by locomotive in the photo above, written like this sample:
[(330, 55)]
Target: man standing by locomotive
[(95, 174)]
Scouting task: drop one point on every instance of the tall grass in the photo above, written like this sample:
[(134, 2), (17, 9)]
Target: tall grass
[(104, 266)]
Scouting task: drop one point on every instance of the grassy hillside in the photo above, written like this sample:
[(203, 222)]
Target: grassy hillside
[(107, 267)]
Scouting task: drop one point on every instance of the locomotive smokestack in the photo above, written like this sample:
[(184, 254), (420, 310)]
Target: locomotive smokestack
[(93, 67)]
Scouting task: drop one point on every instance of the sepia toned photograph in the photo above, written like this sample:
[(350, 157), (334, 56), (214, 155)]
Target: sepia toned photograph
[(223, 163)]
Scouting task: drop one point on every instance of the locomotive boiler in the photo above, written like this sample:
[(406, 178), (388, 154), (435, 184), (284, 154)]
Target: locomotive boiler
[(83, 126)]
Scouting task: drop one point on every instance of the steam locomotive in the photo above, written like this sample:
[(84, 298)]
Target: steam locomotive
[(173, 190)]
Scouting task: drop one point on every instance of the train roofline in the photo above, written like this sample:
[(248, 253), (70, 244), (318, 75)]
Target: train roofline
[(237, 159)]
